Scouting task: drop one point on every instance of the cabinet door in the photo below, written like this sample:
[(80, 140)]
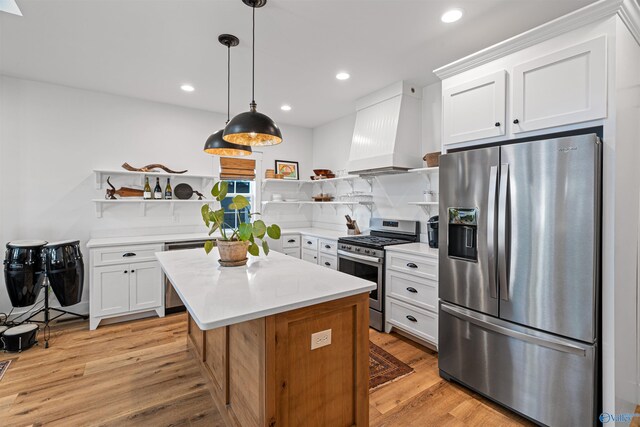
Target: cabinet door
[(146, 285), (310, 255), (565, 87), (294, 252), (475, 109), (110, 290)]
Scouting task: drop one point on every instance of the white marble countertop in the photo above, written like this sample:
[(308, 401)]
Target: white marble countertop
[(189, 237), (217, 296), (421, 249)]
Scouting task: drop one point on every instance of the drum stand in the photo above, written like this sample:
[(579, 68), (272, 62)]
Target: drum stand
[(47, 310)]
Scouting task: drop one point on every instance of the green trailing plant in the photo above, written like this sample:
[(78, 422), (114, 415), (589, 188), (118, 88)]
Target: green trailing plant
[(252, 232)]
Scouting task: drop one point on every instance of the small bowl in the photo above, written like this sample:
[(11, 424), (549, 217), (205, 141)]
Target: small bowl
[(322, 171)]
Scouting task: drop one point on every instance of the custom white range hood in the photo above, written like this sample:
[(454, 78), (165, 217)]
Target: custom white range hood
[(387, 138)]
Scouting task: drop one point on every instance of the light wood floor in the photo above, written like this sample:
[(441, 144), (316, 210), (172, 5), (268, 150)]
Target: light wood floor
[(140, 373)]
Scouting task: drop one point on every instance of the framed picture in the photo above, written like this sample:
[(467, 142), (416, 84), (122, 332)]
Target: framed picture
[(288, 169)]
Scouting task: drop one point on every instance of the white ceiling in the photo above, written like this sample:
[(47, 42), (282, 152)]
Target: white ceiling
[(148, 48)]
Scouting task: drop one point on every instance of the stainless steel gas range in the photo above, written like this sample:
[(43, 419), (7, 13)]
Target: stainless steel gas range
[(363, 256)]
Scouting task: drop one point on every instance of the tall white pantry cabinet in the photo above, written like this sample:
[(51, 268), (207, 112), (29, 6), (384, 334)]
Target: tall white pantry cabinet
[(578, 71)]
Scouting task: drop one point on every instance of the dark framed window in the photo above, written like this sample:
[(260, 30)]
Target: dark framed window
[(237, 187)]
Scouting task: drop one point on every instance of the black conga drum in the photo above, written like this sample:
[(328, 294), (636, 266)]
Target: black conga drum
[(65, 270), (22, 271)]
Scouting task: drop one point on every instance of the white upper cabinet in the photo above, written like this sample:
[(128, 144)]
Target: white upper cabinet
[(475, 109), (565, 87)]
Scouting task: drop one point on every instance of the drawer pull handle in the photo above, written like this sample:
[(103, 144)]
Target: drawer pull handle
[(412, 290), (411, 265), (410, 317), (291, 241), (133, 271), (327, 263), (516, 121), (327, 246), (497, 124), (126, 271), (128, 254), (309, 242)]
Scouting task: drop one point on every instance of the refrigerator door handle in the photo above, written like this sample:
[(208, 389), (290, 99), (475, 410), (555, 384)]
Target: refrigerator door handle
[(503, 266), (491, 232), (485, 322)]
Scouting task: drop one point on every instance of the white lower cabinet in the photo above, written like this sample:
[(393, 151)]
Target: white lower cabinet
[(329, 261), (411, 300), (310, 255), (294, 252), (124, 285), (110, 290), (421, 323), (320, 251), (143, 287)]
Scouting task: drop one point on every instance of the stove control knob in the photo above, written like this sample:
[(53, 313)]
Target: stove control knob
[(357, 249), (366, 251)]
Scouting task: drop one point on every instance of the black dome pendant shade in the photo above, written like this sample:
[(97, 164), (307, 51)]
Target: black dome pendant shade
[(252, 128), (215, 144)]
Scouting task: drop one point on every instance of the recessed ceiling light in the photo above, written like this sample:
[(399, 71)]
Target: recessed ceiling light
[(451, 16), (187, 88), (286, 107), (342, 76)]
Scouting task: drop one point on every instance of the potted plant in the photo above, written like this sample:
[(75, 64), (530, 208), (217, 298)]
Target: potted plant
[(234, 243)]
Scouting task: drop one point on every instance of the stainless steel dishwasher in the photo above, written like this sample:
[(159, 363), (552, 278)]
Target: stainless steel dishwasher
[(172, 301)]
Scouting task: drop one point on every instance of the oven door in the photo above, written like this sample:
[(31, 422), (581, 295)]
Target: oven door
[(364, 267)]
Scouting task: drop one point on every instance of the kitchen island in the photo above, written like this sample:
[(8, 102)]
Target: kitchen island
[(281, 342)]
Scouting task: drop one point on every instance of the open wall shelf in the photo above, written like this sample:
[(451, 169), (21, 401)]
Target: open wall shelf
[(102, 174), (102, 203), (427, 207), (301, 203)]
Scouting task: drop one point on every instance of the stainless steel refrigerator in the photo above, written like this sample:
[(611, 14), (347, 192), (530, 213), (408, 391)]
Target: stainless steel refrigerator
[(520, 276)]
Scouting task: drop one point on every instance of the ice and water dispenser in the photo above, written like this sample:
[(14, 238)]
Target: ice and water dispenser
[(463, 233)]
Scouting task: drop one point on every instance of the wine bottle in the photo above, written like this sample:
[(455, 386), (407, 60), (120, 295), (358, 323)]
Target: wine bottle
[(168, 194), (157, 190), (147, 189)]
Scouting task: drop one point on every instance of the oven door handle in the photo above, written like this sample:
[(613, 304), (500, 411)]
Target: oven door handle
[(356, 257)]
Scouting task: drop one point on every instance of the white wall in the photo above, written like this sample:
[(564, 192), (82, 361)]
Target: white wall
[(331, 144), (52, 137)]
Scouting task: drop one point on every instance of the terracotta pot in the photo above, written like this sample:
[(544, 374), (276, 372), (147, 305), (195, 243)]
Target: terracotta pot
[(232, 253)]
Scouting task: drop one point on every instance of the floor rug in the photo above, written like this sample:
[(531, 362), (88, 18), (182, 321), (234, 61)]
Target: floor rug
[(384, 367), (4, 365)]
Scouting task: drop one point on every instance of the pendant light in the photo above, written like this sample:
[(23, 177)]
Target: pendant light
[(253, 128), (215, 144)]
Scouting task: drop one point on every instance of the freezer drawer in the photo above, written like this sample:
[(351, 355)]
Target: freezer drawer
[(546, 378)]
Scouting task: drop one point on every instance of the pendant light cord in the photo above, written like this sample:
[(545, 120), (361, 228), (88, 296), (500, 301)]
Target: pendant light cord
[(253, 59), (228, 79)]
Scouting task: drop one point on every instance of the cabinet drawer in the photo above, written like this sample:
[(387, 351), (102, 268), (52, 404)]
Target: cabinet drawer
[(294, 252), (309, 242), (329, 261), (328, 246), (290, 241), (125, 254), (413, 264), (310, 255), (413, 290), (421, 323)]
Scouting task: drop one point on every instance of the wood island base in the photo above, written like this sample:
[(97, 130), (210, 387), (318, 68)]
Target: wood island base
[(263, 372)]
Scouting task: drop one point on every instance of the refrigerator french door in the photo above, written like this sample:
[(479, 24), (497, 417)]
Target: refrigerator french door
[(520, 276)]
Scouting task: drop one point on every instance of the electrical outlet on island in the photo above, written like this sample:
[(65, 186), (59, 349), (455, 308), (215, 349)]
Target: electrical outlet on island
[(320, 339)]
